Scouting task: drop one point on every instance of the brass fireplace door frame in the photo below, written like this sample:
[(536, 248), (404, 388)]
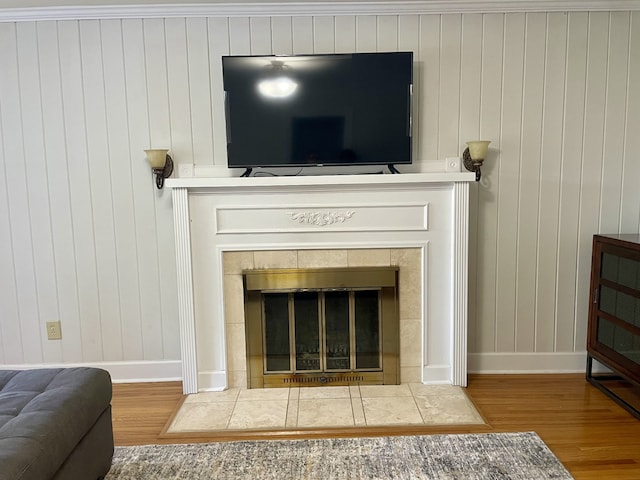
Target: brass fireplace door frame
[(384, 279)]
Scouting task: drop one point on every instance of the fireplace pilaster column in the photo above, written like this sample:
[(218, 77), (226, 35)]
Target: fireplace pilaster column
[(460, 281), (185, 290)]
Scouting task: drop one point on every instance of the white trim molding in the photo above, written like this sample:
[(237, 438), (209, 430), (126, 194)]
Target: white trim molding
[(95, 10), (530, 362)]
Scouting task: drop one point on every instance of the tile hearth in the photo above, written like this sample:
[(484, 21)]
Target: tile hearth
[(319, 407)]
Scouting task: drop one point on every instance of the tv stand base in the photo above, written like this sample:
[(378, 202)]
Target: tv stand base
[(392, 168)]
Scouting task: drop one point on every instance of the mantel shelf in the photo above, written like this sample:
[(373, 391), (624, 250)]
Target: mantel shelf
[(321, 180)]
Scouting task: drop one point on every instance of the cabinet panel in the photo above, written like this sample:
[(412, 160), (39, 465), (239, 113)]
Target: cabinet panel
[(614, 314)]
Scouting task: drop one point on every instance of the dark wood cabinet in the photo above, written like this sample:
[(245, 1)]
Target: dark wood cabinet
[(614, 317)]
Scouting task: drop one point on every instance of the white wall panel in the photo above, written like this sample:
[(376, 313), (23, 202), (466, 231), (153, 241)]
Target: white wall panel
[(87, 238)]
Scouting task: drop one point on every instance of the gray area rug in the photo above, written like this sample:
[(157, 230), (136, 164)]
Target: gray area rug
[(485, 456)]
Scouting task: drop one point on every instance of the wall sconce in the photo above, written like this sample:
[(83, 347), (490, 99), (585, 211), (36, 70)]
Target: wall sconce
[(161, 164), (474, 155)]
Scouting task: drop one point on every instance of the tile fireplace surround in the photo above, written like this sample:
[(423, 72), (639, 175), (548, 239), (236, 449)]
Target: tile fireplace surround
[(417, 221)]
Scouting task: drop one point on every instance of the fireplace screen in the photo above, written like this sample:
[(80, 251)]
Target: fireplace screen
[(321, 326)]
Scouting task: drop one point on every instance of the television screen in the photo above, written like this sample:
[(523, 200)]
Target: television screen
[(314, 110)]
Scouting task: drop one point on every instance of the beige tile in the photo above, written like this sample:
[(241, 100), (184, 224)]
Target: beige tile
[(410, 374), (370, 391), (262, 414), (391, 411), (236, 262), (200, 417), (233, 299), (325, 412), (410, 343), (449, 409), (376, 257), (237, 378), (276, 259), (354, 391), (358, 412), (308, 393), (322, 258), (228, 395), (292, 414), (294, 393), (410, 281), (263, 394), (236, 348), (422, 390)]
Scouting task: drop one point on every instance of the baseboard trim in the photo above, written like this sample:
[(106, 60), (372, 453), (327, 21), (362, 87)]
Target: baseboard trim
[(551, 362), (122, 372)]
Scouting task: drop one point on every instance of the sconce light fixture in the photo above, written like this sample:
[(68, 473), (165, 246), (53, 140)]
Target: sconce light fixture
[(161, 164), (474, 155)]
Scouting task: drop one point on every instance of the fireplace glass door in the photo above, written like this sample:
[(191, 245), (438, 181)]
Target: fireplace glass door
[(321, 326), (322, 331)]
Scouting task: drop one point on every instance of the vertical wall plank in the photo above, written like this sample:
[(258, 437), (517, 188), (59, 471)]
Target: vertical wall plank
[(592, 162), (570, 189), (614, 128), (12, 349), (483, 335), (218, 46), (449, 93), (37, 190), (550, 181), (303, 35), (324, 34), (528, 214), (387, 33), (345, 34), (239, 36), (100, 181), (282, 35), (157, 80), (179, 93), (426, 125), (200, 90), (366, 33), (87, 328), (513, 84), (630, 211), (146, 233), (260, 31), (117, 124), (68, 349)]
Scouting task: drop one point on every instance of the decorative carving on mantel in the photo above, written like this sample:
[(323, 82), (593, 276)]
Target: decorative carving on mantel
[(321, 219)]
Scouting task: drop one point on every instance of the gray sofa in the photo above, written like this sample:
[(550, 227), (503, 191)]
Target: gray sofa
[(55, 424)]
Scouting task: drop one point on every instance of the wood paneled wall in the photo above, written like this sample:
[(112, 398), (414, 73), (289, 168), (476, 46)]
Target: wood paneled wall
[(85, 237)]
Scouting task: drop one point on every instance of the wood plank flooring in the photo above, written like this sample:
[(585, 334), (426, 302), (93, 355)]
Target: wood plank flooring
[(590, 434)]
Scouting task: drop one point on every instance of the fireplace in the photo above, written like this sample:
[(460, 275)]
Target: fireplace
[(330, 221), (307, 327)]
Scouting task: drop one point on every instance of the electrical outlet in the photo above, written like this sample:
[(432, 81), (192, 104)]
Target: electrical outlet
[(54, 331)]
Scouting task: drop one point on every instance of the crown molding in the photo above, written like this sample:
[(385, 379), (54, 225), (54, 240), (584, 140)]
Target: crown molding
[(316, 8)]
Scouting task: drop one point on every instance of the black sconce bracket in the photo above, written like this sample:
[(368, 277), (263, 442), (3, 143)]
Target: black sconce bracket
[(472, 165), (164, 172)]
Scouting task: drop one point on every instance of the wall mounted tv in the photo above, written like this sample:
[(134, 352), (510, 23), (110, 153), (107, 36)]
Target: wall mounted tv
[(318, 110)]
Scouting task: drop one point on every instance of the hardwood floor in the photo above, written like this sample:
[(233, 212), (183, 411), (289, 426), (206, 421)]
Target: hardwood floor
[(590, 434)]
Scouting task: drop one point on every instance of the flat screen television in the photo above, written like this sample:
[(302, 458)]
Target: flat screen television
[(318, 110)]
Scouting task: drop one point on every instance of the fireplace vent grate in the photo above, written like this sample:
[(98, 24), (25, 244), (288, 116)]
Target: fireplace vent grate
[(324, 379)]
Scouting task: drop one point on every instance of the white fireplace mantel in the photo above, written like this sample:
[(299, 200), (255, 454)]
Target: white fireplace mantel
[(428, 211)]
